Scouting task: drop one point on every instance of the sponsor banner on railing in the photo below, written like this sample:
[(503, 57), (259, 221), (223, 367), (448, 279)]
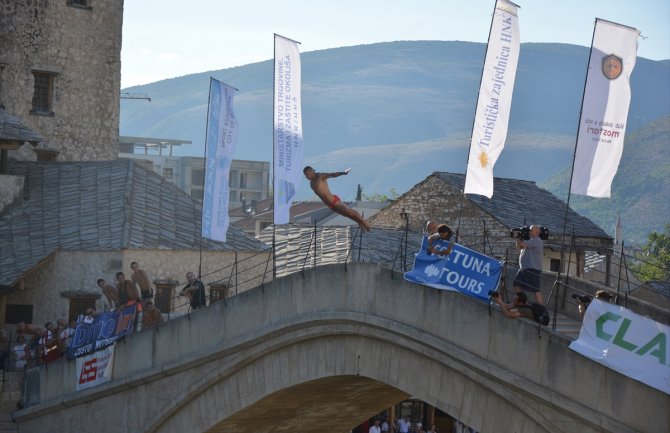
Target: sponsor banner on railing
[(104, 331), (464, 270), (95, 369), (626, 342)]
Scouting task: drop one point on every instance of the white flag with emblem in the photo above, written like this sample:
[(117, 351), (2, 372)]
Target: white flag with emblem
[(495, 99), (602, 124)]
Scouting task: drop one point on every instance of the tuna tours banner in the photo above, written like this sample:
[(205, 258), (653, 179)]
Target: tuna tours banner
[(604, 115), (222, 132), (495, 100), (464, 270), (288, 147), (626, 342), (104, 331)]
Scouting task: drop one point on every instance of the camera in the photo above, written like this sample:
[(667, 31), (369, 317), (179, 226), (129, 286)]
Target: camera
[(493, 294), (584, 299), (524, 233)]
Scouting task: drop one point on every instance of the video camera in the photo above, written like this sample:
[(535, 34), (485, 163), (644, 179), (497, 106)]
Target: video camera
[(524, 233)]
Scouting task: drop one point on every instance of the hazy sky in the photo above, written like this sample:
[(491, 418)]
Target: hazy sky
[(170, 38)]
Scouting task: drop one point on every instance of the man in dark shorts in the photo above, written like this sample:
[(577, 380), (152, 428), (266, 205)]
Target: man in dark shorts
[(319, 184), (530, 264)]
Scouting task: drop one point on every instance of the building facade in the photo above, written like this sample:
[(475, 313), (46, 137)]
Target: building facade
[(60, 73), (248, 180)]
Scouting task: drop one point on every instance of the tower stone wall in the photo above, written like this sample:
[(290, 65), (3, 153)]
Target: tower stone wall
[(78, 45)]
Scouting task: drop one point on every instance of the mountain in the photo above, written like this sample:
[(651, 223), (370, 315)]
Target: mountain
[(397, 111), (640, 189)]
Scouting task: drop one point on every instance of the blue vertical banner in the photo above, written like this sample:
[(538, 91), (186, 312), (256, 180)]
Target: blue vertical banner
[(464, 270), (222, 132), (288, 140)]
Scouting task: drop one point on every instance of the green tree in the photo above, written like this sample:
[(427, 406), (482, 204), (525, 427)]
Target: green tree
[(382, 198), (359, 193), (655, 262)]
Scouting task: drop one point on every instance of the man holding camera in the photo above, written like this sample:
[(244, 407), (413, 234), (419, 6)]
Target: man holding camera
[(519, 307), (530, 263)]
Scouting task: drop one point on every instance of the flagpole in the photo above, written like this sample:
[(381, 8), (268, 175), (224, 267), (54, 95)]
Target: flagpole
[(274, 144), (572, 170), (204, 175), (474, 119)]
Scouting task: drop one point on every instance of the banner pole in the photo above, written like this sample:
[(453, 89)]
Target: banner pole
[(274, 144), (204, 175), (474, 118), (574, 155)]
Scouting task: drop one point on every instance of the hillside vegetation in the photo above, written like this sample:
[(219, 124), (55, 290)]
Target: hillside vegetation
[(397, 111)]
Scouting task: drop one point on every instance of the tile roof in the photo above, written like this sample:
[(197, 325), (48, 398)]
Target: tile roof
[(12, 129), (100, 205), (517, 202)]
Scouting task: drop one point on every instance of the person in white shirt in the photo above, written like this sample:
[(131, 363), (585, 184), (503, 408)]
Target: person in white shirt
[(404, 425), (375, 428)]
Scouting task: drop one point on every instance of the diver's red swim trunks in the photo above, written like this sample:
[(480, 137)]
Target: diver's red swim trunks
[(336, 199)]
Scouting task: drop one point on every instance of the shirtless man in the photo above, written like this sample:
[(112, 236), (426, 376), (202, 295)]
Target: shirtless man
[(319, 184)]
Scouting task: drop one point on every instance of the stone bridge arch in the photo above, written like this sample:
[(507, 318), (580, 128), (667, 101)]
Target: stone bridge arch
[(333, 347)]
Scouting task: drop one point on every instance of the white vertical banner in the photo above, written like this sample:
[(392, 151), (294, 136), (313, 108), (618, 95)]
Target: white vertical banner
[(288, 146), (94, 369), (222, 134), (624, 341), (602, 126), (495, 99)]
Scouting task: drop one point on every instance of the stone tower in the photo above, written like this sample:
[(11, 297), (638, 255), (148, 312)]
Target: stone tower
[(60, 73)]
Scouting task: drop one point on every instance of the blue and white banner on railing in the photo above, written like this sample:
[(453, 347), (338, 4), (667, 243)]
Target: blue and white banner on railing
[(95, 369), (464, 270), (631, 344), (104, 331), (222, 132)]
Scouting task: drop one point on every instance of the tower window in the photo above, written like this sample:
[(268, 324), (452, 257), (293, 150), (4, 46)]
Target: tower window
[(79, 3), (43, 92)]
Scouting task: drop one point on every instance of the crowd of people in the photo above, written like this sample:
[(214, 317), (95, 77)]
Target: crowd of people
[(35, 345), (404, 424)]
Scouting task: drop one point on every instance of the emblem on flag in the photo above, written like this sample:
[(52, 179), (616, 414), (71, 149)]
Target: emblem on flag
[(612, 66)]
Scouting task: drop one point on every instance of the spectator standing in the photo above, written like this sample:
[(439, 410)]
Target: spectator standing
[(47, 344), (374, 428), (384, 426), (65, 333), (530, 263), (110, 292), (404, 424), (194, 291), (151, 316), (21, 352), (128, 293), (141, 278)]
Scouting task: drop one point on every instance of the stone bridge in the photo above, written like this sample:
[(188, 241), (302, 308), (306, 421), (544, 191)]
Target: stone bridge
[(324, 350)]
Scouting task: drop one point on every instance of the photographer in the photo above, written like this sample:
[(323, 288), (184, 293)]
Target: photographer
[(519, 308), (194, 292), (530, 263)]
